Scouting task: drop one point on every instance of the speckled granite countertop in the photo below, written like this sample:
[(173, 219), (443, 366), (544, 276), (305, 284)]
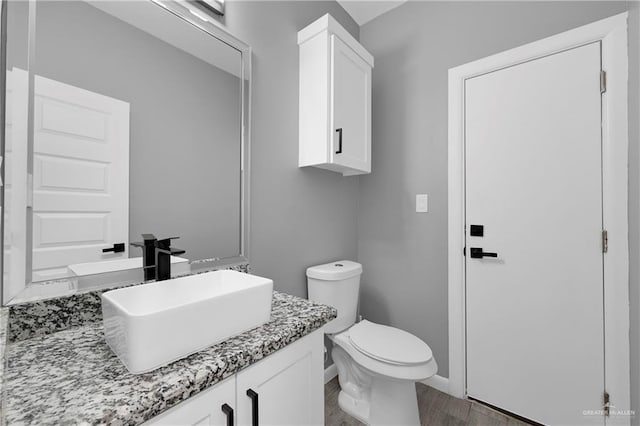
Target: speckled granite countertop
[(72, 377)]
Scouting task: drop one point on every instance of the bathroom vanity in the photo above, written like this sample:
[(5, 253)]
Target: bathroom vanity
[(71, 376), (283, 389)]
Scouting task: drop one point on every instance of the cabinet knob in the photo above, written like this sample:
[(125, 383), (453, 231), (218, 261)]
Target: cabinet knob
[(254, 406), (228, 411), (339, 150)]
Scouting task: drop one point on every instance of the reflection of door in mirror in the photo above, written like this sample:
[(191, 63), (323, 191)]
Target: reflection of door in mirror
[(80, 177), (78, 197), (15, 195)]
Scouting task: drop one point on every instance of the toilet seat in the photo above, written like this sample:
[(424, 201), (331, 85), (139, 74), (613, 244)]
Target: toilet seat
[(389, 344), (384, 368)]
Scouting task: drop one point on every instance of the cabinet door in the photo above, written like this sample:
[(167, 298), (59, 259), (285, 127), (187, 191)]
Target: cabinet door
[(202, 409), (351, 108), (287, 386)]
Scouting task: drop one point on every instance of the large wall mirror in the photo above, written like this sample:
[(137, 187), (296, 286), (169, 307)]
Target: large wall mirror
[(121, 118)]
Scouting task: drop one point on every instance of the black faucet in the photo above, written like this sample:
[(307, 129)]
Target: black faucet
[(164, 251), (148, 255)]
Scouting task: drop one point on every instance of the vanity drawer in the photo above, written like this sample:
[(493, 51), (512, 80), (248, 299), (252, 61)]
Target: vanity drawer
[(202, 409)]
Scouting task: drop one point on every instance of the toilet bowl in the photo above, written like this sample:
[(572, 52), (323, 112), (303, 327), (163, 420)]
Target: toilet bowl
[(377, 365)]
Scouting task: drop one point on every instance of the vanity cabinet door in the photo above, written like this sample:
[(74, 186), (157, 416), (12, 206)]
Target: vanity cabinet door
[(285, 388), (204, 408), (351, 106)]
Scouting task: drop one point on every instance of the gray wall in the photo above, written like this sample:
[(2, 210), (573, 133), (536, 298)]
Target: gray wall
[(299, 217), (17, 34), (184, 175), (404, 253)]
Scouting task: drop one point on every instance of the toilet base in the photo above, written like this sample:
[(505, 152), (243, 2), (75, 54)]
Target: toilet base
[(358, 409), (394, 403), (374, 399)]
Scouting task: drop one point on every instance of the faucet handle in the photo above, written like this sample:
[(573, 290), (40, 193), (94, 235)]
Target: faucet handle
[(148, 237), (165, 243), (176, 251)]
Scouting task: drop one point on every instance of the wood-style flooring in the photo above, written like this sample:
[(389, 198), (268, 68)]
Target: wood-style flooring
[(436, 409)]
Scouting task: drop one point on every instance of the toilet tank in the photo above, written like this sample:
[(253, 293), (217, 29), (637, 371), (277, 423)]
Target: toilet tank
[(336, 284)]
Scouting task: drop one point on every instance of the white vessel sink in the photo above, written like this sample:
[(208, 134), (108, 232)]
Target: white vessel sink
[(179, 265), (151, 325)]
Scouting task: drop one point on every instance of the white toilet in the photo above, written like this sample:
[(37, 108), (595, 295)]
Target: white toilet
[(377, 365)]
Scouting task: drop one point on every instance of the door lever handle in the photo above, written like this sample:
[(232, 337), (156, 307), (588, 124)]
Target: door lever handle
[(477, 253), (117, 248)]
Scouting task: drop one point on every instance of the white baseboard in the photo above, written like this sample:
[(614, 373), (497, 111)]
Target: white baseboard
[(437, 382), (329, 373)]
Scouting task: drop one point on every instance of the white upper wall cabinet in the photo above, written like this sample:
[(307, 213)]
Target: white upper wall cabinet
[(335, 99)]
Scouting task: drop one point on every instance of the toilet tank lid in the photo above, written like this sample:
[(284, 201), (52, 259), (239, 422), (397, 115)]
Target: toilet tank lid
[(335, 271)]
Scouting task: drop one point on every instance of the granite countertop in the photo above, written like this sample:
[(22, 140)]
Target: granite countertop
[(72, 377)]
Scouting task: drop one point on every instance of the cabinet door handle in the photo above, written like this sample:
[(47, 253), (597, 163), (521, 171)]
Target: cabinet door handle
[(254, 406), (339, 150), (228, 411)]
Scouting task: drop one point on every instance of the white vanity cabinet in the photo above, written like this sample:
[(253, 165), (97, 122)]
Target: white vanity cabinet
[(288, 385), (335, 99), (203, 409), (285, 388)]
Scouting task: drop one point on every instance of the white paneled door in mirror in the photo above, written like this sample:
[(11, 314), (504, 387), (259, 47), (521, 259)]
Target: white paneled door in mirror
[(80, 177), (16, 247)]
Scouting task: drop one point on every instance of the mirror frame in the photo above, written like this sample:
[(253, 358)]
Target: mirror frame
[(180, 9)]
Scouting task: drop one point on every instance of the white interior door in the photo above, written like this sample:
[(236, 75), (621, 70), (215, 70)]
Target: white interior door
[(534, 318), (351, 88), (80, 176)]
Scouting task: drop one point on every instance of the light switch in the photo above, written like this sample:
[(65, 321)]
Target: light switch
[(422, 203)]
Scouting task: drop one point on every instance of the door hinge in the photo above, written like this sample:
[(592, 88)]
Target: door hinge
[(464, 251), (603, 81), (605, 241), (606, 403)]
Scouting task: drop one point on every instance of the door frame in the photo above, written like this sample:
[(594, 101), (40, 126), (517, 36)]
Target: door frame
[(612, 33)]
